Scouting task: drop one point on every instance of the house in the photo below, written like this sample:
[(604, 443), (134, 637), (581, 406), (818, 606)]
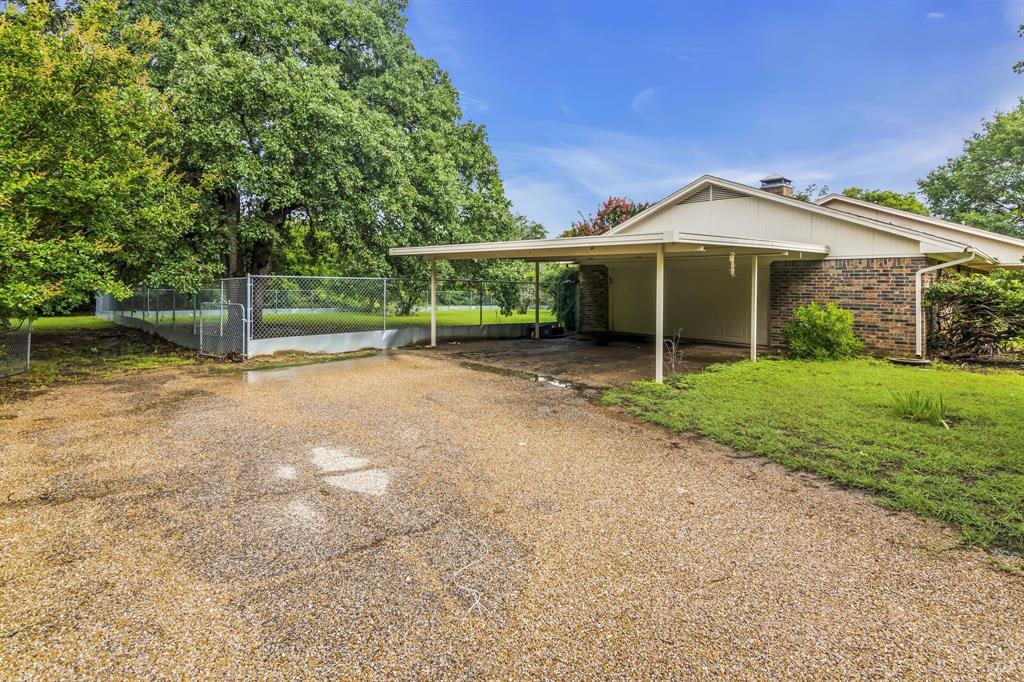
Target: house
[(728, 263)]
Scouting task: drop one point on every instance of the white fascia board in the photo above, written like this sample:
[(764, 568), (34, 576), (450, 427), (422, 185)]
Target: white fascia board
[(595, 246), (660, 205), (748, 242), (553, 246), (938, 222)]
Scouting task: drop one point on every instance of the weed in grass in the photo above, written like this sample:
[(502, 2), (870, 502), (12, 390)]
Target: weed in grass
[(920, 407)]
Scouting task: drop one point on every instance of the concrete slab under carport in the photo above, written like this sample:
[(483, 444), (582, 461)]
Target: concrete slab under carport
[(579, 360)]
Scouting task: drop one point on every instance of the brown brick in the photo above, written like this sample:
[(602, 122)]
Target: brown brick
[(878, 291)]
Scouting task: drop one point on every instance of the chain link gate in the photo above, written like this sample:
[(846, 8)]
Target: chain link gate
[(15, 346), (222, 329)]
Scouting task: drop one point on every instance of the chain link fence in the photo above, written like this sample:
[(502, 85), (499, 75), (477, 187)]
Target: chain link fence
[(15, 346), (226, 316), (222, 329)]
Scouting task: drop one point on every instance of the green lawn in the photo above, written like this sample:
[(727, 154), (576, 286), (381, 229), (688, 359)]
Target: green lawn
[(69, 322), (837, 419), (445, 318)]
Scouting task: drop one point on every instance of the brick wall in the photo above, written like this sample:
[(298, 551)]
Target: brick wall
[(878, 291), (593, 298)]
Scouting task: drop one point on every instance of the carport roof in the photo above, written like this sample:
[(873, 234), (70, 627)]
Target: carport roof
[(606, 245)]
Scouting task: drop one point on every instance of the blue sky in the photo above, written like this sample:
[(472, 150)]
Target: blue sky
[(583, 100)]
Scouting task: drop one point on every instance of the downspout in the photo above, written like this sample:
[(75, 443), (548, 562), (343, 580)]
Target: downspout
[(918, 315)]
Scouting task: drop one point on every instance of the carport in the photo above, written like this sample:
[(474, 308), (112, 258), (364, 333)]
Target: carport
[(637, 257)]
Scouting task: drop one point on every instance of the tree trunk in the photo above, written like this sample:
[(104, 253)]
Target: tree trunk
[(262, 264), (231, 210)]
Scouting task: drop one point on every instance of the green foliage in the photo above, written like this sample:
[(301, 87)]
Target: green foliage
[(565, 284), (319, 138), (820, 332), (87, 201), (837, 419), (983, 186), (812, 192), (977, 315), (921, 407), (883, 197)]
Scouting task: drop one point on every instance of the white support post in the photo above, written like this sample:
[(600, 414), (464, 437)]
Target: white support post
[(659, 314), (433, 303), (753, 309), (536, 300)]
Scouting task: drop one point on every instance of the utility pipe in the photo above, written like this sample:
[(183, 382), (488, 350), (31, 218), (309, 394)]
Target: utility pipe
[(918, 314)]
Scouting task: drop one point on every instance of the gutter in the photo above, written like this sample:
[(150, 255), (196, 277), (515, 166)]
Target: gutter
[(918, 315)]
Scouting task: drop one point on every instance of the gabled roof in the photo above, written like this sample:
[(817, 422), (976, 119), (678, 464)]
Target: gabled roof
[(942, 244), (938, 222)]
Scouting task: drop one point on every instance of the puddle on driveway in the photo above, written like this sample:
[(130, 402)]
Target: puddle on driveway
[(369, 482), (257, 377)]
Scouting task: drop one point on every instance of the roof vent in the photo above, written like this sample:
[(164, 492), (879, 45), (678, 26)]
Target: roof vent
[(777, 184), (712, 193)]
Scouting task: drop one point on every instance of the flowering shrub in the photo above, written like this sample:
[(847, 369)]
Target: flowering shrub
[(613, 211)]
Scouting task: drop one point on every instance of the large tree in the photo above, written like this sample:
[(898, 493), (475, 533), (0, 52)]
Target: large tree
[(984, 186), (885, 197), (87, 201), (313, 127)]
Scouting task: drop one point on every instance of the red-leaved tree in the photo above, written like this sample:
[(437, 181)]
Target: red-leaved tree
[(613, 211)]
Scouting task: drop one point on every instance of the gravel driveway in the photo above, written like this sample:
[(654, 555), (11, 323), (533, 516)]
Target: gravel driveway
[(407, 516)]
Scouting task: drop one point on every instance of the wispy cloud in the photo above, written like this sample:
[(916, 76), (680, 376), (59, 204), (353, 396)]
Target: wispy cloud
[(434, 21), (574, 172), (473, 102), (643, 101), (935, 15)]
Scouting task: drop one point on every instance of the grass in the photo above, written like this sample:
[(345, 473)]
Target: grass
[(342, 321), (837, 419), (69, 323)]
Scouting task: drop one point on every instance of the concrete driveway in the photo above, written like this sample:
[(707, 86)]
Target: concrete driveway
[(406, 516)]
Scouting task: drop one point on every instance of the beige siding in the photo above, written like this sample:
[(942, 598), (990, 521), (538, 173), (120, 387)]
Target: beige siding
[(765, 219), (700, 298), (1003, 251)]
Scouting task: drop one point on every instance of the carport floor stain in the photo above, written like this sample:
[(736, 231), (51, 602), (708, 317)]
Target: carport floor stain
[(522, 374)]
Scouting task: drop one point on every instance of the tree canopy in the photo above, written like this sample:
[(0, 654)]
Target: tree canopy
[(885, 197), (87, 201), (984, 186), (613, 211), (319, 137)]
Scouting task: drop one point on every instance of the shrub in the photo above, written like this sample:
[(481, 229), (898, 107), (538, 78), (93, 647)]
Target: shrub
[(566, 282), (920, 407), (977, 315), (820, 332)]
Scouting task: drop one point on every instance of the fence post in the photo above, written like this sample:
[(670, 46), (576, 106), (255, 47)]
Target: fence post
[(174, 308), (536, 300), (221, 308), (385, 306), (28, 347), (481, 286), (145, 313), (247, 315)]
